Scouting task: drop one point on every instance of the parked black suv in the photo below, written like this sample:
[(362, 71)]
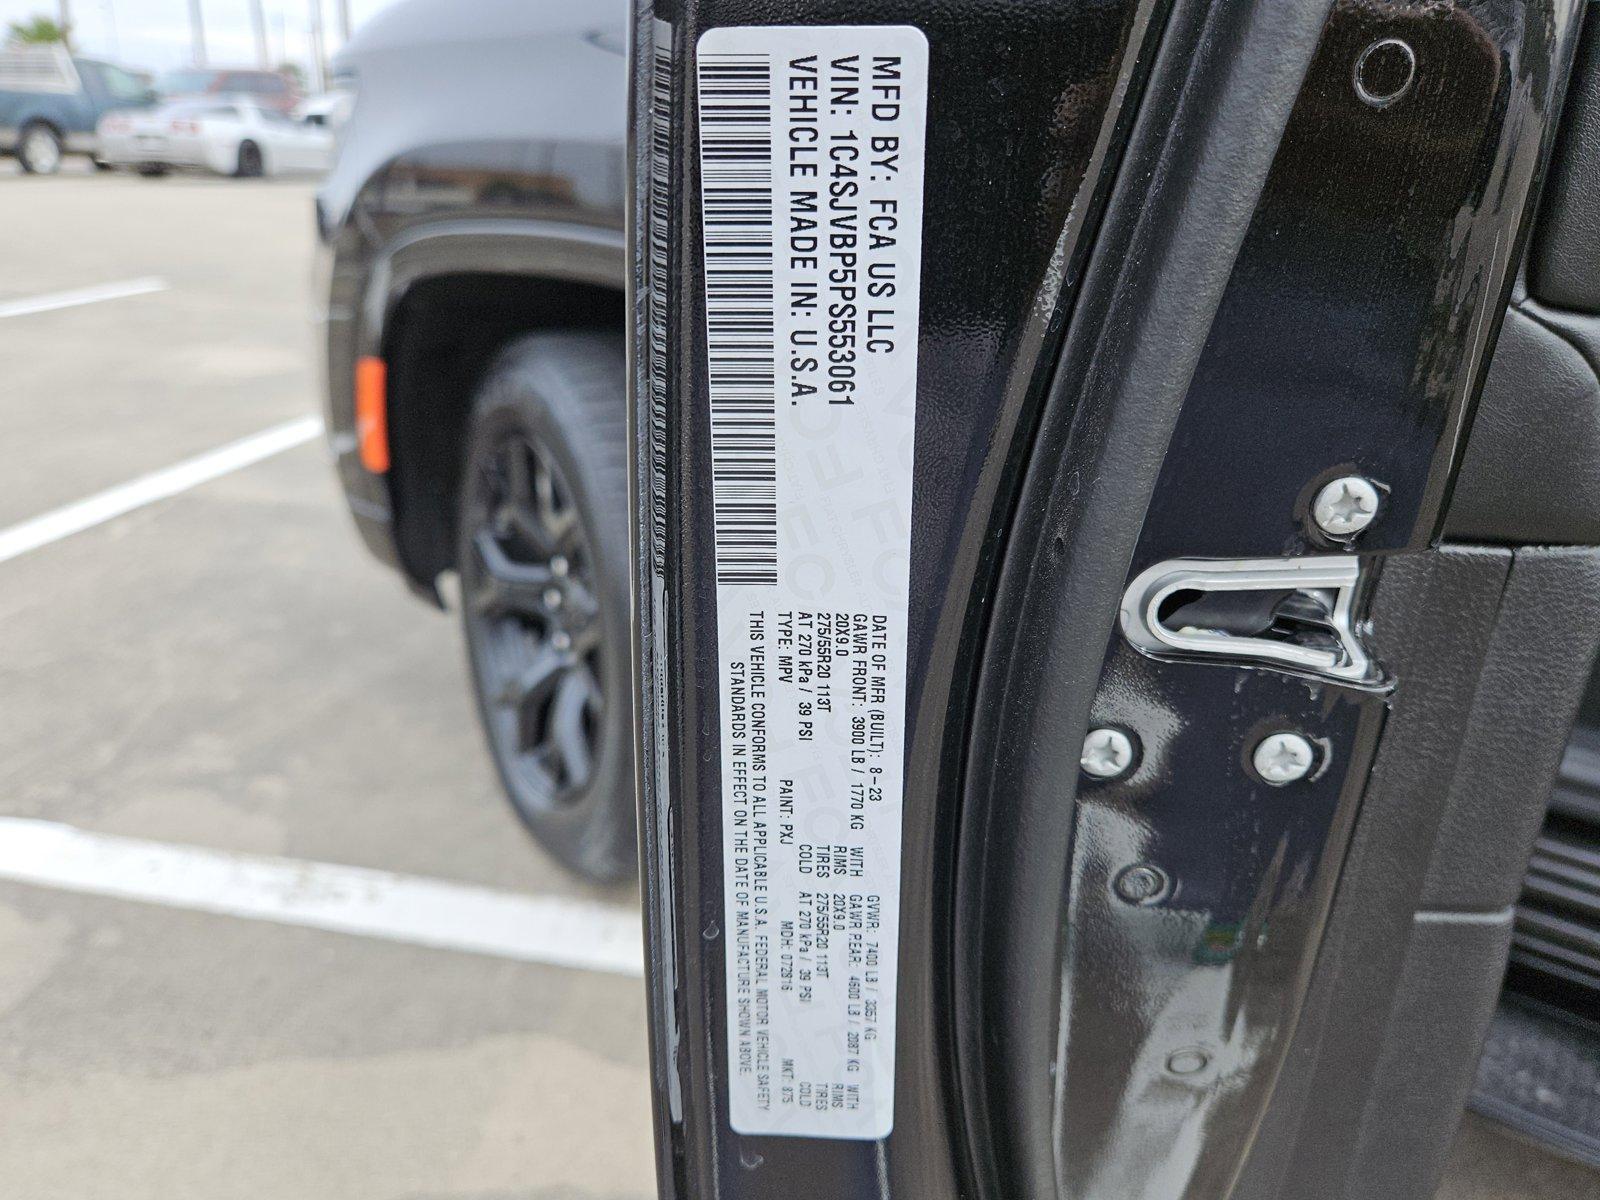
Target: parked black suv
[(474, 227)]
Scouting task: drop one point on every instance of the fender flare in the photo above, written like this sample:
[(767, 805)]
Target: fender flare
[(525, 247)]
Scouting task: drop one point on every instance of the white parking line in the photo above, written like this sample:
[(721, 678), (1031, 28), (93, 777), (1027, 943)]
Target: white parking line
[(158, 485), (89, 295), (554, 930)]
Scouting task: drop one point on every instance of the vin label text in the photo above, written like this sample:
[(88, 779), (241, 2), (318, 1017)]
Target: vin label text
[(811, 161)]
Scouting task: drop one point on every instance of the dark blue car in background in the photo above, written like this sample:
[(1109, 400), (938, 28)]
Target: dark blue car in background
[(51, 101)]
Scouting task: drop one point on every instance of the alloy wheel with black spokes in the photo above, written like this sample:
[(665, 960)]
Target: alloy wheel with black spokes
[(531, 584), (542, 555)]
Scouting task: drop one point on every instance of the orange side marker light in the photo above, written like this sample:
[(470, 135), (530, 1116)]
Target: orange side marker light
[(372, 413)]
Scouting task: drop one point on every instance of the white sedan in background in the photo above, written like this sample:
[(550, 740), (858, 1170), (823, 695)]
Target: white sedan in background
[(227, 135)]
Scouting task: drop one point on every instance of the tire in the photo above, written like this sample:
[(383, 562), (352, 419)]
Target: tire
[(39, 149), (249, 164), (152, 170), (542, 548)]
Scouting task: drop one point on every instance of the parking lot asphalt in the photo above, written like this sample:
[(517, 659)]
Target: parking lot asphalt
[(225, 672)]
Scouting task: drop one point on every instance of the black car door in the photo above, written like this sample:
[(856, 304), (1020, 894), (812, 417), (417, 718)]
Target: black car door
[(1091, 723)]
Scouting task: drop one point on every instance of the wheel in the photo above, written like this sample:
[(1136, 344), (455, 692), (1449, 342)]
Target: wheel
[(39, 149), (249, 165), (152, 170), (543, 555)]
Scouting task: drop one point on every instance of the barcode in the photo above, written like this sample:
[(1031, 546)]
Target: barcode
[(659, 232), (736, 199)]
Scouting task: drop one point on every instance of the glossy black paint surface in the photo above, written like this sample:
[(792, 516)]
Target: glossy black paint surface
[(1024, 119), (1203, 145), (1217, 967), (1351, 336), (1356, 328)]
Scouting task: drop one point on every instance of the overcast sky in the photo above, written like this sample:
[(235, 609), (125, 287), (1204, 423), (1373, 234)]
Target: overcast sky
[(155, 33)]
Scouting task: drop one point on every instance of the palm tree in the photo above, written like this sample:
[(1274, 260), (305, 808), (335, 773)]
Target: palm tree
[(37, 31)]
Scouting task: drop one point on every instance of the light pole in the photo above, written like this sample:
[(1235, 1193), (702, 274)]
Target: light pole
[(258, 21), (197, 33), (317, 72)]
